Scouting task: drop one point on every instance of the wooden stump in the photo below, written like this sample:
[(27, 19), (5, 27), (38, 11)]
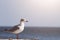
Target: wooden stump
[(10, 39)]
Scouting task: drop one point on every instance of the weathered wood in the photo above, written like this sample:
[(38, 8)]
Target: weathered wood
[(10, 39), (18, 39)]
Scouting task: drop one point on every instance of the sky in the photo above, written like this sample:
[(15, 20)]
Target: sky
[(37, 12)]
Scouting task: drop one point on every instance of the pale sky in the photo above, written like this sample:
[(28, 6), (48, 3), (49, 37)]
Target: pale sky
[(38, 12)]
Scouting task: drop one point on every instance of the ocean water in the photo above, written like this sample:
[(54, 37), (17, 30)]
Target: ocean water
[(33, 33)]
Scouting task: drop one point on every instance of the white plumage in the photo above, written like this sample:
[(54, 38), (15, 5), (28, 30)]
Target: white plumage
[(17, 28)]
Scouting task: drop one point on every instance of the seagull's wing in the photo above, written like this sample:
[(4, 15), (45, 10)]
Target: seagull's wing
[(14, 28)]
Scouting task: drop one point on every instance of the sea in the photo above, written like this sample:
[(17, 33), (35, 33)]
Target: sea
[(40, 33)]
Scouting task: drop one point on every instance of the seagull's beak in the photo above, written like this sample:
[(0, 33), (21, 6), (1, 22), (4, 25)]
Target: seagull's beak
[(26, 21)]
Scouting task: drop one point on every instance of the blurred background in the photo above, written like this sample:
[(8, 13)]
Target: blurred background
[(39, 12), (43, 17)]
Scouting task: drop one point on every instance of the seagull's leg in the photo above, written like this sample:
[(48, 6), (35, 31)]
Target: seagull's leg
[(17, 36)]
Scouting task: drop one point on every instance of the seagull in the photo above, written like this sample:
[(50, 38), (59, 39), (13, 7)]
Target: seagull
[(17, 28)]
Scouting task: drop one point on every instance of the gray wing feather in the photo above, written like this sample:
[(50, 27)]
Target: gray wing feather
[(14, 28)]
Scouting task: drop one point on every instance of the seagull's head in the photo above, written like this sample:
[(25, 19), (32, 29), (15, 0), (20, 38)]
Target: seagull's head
[(23, 20)]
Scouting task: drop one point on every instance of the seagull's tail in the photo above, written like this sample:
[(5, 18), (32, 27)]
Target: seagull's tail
[(5, 30)]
